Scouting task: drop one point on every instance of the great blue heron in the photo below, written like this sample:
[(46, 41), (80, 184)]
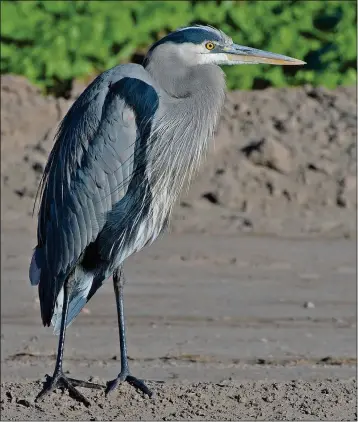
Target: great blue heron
[(119, 161)]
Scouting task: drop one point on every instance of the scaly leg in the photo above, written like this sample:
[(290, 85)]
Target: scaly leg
[(59, 379), (124, 375)]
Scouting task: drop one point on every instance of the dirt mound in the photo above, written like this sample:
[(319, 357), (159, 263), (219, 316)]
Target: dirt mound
[(284, 160)]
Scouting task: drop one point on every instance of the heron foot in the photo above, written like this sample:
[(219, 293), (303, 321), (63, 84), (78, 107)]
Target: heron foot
[(59, 380), (127, 377)]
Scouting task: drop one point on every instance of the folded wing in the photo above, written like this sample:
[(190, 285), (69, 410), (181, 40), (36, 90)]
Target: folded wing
[(89, 172)]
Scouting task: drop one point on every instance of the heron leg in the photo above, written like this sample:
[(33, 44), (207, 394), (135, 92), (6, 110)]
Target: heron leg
[(124, 375), (59, 379)]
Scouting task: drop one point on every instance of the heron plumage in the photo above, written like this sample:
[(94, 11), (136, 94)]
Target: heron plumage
[(88, 173), (116, 179)]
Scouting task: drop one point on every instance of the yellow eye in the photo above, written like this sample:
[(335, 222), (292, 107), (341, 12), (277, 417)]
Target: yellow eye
[(210, 45)]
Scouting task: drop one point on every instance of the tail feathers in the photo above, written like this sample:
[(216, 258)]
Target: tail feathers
[(78, 299), (35, 267)]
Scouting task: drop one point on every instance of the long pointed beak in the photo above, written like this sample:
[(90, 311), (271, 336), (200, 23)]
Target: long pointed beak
[(247, 55)]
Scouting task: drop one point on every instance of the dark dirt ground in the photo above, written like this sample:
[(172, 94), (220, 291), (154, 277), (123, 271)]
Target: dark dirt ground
[(245, 310)]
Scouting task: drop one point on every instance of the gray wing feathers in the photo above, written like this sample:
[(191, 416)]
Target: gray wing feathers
[(78, 299), (87, 173)]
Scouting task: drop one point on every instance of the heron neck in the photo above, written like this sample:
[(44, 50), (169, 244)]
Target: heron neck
[(189, 109), (180, 81)]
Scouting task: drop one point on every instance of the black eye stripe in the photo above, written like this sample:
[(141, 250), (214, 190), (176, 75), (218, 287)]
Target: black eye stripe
[(192, 35)]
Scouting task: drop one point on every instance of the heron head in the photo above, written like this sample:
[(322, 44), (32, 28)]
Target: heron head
[(197, 45)]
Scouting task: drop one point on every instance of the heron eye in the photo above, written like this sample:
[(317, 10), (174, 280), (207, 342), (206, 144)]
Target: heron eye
[(210, 45)]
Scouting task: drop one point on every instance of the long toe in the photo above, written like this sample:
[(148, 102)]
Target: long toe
[(85, 384), (139, 385), (135, 382), (61, 381)]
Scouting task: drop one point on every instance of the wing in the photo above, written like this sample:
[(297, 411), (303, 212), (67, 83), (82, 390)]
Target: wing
[(88, 172)]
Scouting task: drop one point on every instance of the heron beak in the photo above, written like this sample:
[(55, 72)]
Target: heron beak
[(238, 54)]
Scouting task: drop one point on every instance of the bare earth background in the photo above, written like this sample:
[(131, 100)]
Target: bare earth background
[(245, 310)]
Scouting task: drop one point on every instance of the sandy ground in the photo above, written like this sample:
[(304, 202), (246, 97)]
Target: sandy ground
[(241, 312)]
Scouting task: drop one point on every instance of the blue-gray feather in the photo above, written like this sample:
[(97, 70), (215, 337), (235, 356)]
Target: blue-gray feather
[(88, 173)]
